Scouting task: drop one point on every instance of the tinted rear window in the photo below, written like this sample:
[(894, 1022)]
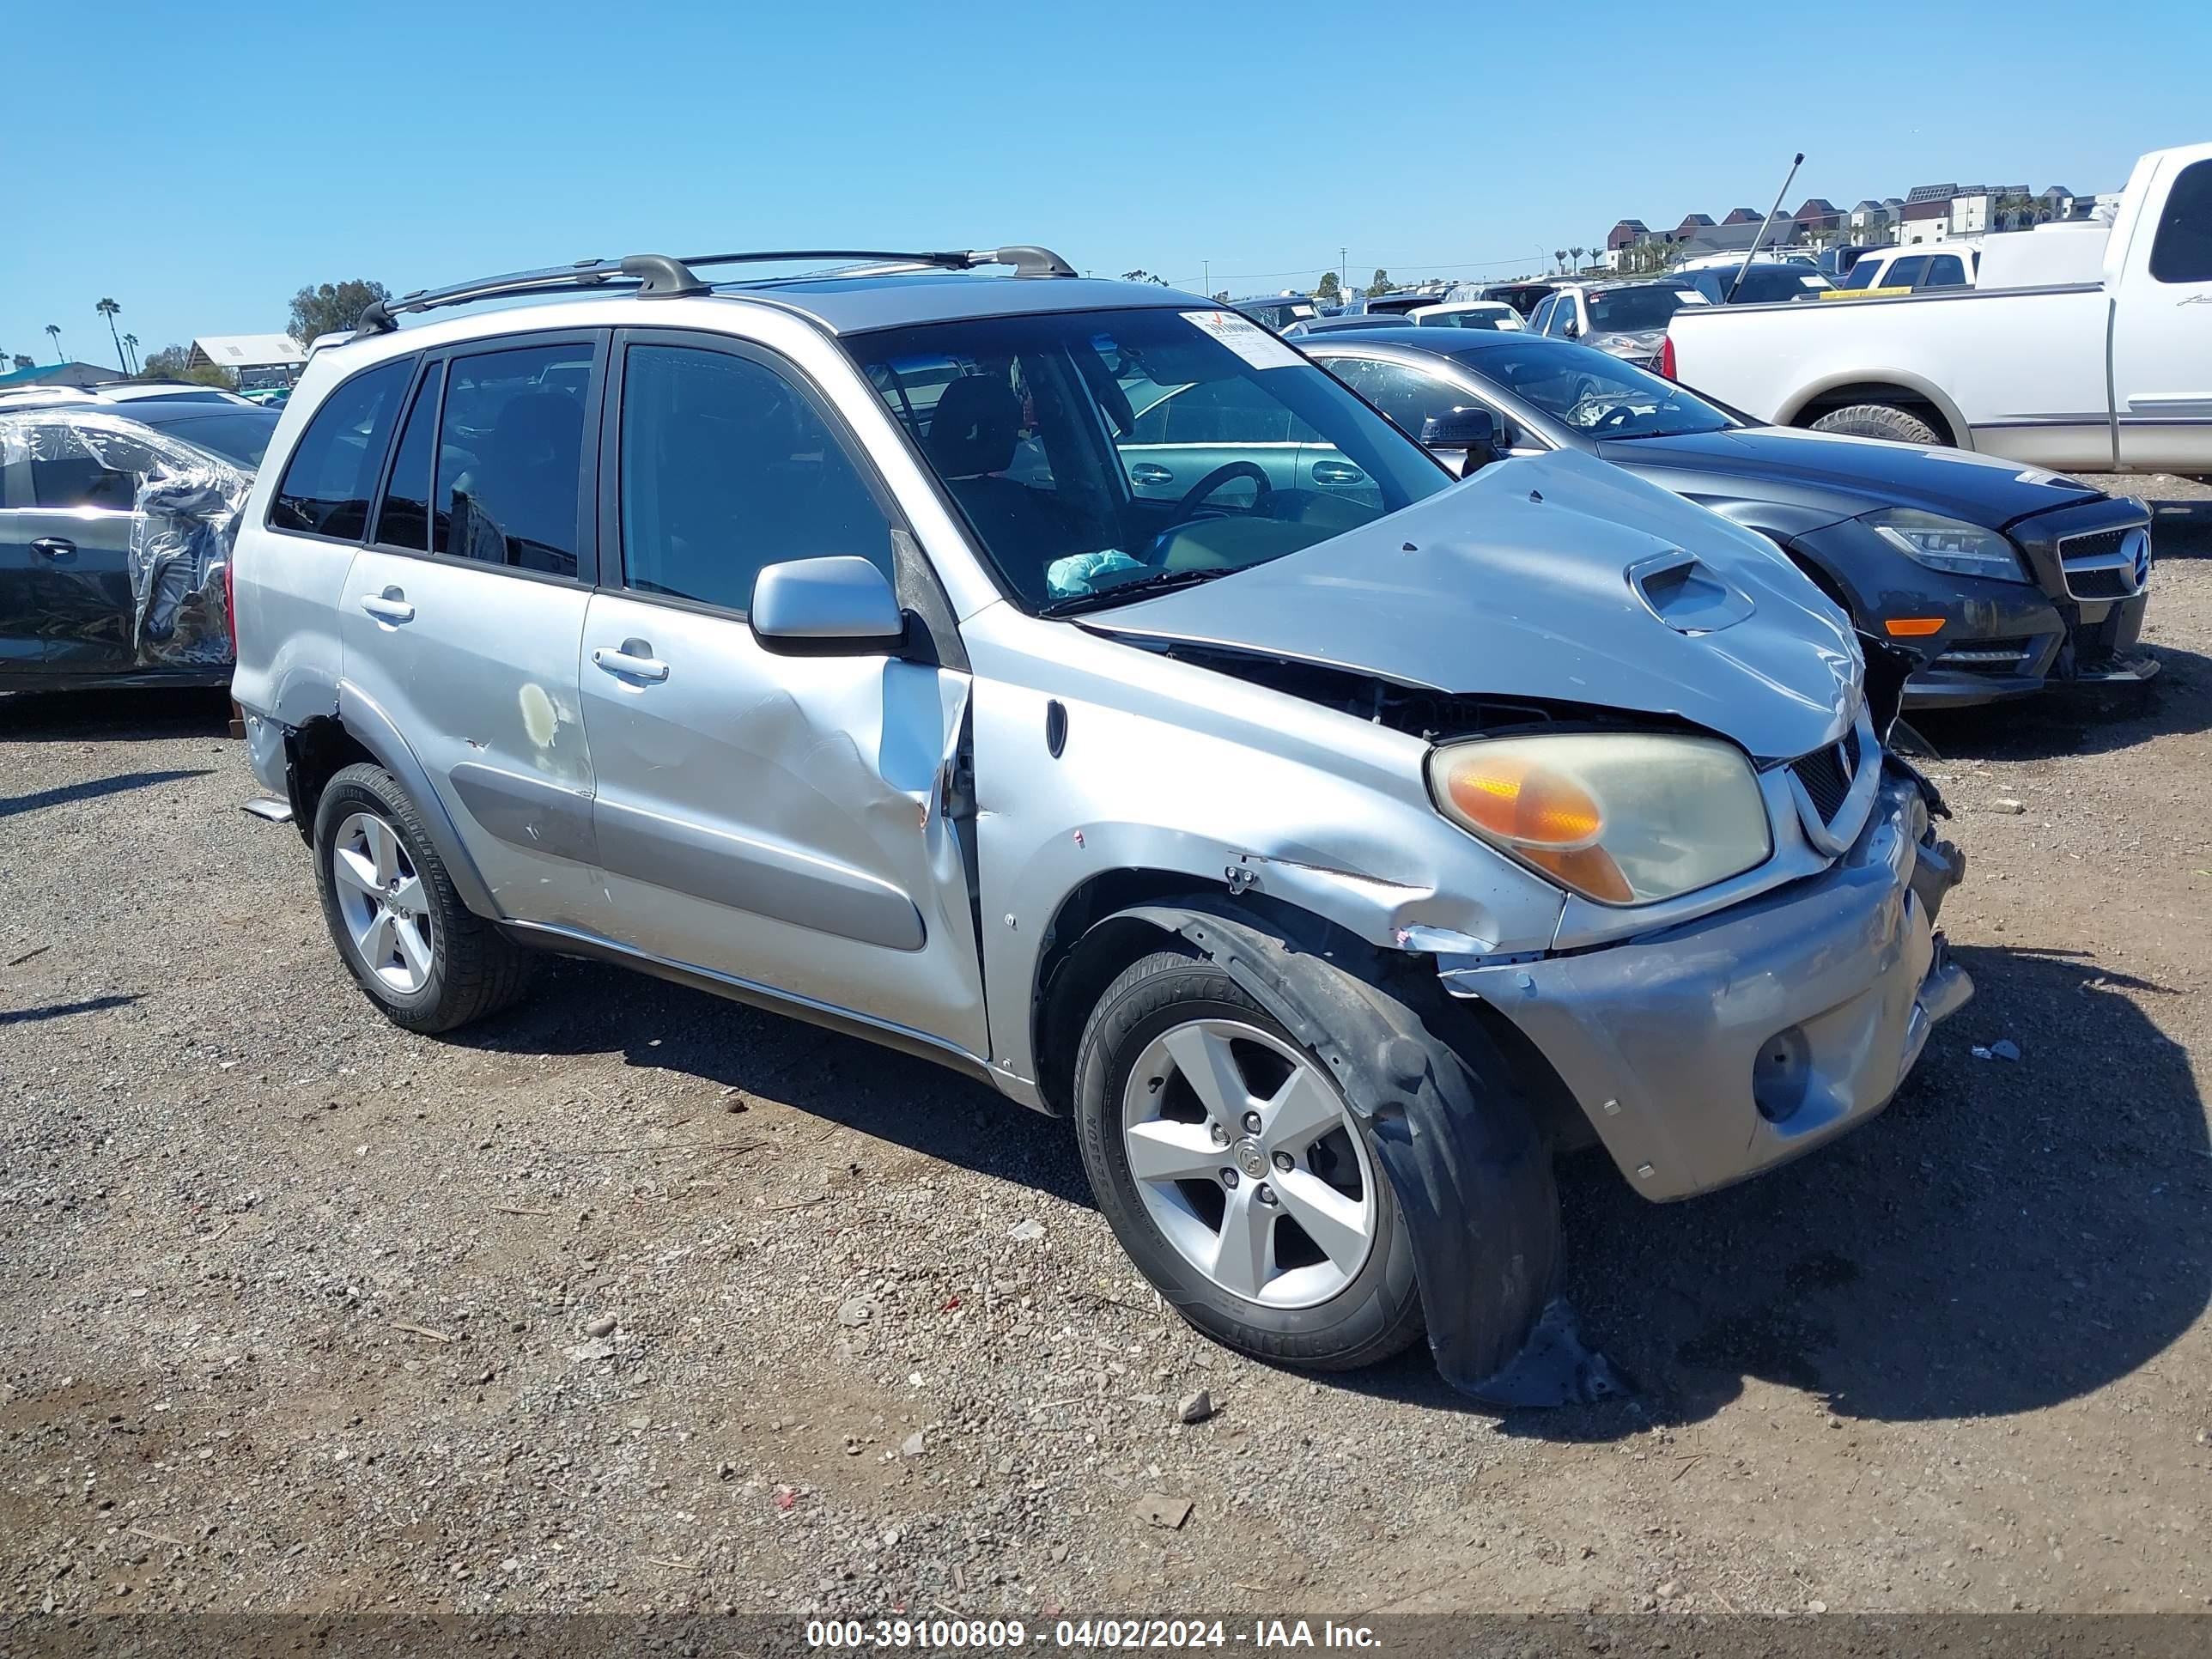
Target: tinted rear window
[(332, 473)]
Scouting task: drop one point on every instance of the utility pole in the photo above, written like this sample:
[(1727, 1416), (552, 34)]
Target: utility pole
[(1206, 277)]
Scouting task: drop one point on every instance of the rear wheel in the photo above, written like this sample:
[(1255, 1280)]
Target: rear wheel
[(1236, 1174), (415, 950), (1884, 420)]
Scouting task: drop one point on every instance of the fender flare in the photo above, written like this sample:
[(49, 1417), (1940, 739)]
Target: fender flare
[(1474, 1184), (374, 730), (1962, 434)]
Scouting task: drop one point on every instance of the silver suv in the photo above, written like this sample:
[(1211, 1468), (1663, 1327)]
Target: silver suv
[(1067, 682)]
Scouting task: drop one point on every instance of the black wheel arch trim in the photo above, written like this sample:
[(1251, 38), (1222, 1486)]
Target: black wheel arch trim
[(1417, 1094), (374, 729)]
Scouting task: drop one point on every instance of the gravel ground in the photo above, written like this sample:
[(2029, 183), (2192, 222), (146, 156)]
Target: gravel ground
[(635, 1299)]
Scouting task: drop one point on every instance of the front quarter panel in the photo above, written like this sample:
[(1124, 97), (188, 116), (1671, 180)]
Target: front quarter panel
[(1170, 768)]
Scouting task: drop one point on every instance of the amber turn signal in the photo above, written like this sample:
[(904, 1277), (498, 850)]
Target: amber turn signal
[(1913, 627)]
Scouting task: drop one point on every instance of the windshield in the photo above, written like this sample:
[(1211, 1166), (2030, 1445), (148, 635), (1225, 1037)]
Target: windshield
[(1095, 455), (1594, 392), (240, 436), (1628, 310)]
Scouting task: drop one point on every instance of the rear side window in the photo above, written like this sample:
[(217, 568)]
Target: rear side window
[(1908, 272), (332, 472), (727, 468), (405, 519), (510, 457), (2183, 251), (1945, 271)]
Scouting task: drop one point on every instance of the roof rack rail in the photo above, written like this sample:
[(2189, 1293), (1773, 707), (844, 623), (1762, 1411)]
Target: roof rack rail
[(658, 276)]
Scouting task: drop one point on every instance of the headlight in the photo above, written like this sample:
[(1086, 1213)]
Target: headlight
[(1941, 543), (1624, 818)]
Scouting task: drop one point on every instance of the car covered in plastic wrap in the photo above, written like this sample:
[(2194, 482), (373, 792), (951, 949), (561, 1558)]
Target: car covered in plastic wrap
[(116, 520)]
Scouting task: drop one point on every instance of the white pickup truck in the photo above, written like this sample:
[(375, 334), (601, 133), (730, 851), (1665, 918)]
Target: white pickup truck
[(2114, 374)]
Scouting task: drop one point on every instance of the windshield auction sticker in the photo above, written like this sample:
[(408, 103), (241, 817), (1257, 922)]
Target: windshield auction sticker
[(1246, 338)]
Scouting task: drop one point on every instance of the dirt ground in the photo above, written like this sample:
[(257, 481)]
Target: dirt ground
[(303, 1312)]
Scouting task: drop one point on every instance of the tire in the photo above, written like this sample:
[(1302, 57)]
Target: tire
[(1343, 1319), (1883, 420), (424, 958)]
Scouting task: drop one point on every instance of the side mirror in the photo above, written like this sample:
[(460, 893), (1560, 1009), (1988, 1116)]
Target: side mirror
[(1474, 431), (826, 607)]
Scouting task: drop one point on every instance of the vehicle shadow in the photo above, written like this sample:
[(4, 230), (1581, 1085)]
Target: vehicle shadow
[(2077, 719), (593, 1008), (65, 1010), (92, 789), (2008, 1236), (109, 715)]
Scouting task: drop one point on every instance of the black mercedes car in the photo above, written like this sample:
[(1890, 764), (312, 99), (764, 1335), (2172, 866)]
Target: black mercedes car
[(1996, 577)]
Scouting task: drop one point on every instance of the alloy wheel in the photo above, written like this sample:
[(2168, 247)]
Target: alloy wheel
[(1247, 1159), (380, 897)]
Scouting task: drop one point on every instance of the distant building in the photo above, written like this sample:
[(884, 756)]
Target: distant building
[(1742, 216), (1816, 214), (2059, 200), (58, 374), (253, 360), (1871, 218), (1691, 225), (1927, 219)]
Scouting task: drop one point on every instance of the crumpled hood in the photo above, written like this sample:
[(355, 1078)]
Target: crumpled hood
[(1486, 588), (1858, 475)]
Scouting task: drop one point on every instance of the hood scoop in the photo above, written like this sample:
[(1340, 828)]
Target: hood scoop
[(1687, 594)]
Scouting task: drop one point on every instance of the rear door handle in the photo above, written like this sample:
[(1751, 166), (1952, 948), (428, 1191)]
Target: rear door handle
[(634, 661), (1336, 473), (389, 606), (54, 547), (1146, 473)]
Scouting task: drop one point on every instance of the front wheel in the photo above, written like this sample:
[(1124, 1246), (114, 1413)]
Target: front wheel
[(1236, 1175)]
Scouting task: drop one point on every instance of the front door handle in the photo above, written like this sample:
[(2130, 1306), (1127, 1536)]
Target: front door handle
[(1337, 472), (1146, 473), (390, 606), (54, 547), (634, 661)]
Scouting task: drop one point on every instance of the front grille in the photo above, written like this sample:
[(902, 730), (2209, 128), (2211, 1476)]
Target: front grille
[(1826, 775), (2106, 564), (1989, 656)]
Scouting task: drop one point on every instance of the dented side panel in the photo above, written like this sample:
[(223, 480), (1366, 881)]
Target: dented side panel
[(482, 677), (788, 820), (1169, 767)]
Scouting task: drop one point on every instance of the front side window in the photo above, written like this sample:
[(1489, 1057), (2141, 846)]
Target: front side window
[(332, 472), (1593, 392), (2182, 250), (510, 455), (1093, 452), (1862, 275), (726, 468)]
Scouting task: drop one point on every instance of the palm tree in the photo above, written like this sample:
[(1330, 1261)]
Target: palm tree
[(107, 308), (1578, 252), (1559, 258), (54, 333), (131, 347)]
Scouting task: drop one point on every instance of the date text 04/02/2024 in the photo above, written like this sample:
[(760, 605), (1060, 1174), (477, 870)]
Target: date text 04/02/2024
[(1108, 1635)]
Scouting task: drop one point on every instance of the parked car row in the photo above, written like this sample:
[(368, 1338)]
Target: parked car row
[(1071, 682)]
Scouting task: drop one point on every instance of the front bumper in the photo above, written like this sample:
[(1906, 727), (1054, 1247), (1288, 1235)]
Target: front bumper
[(1723, 1047)]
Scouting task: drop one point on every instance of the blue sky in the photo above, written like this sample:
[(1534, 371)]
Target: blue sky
[(255, 148)]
